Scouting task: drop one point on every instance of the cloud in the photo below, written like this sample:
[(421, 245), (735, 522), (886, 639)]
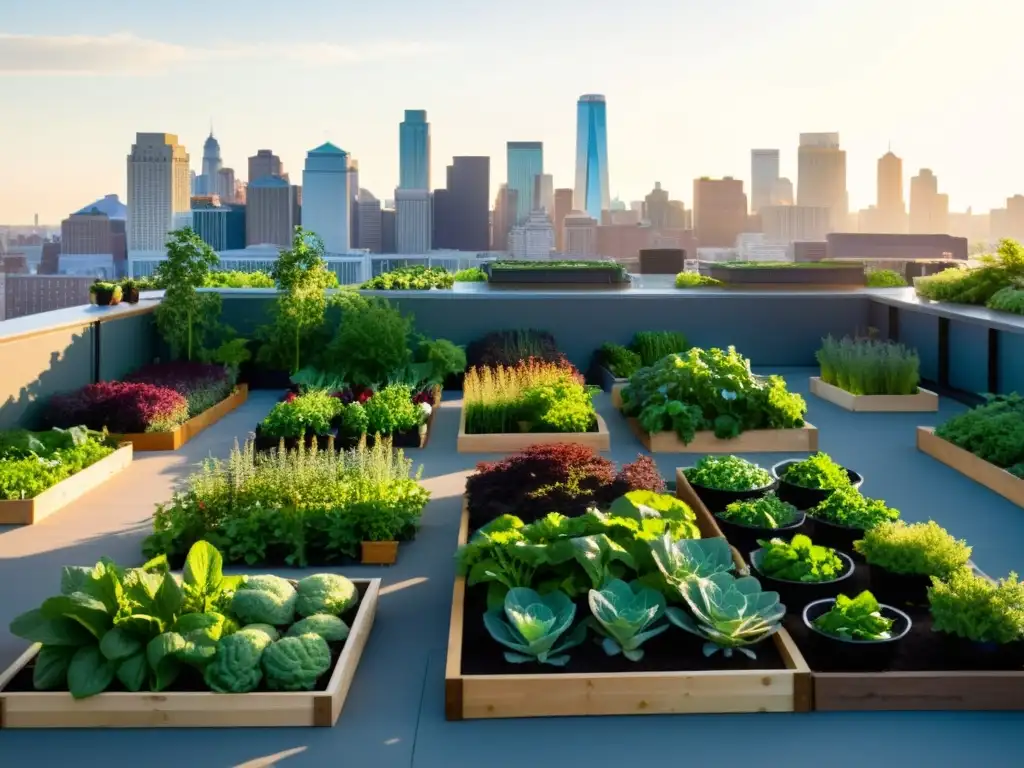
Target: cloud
[(128, 54)]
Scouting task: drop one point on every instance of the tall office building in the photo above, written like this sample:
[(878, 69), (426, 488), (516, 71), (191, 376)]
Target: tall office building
[(592, 193), (158, 190), (265, 163), (821, 180), (929, 210), (764, 172), (220, 225), (580, 235), (719, 211), (271, 212), (326, 198), (562, 208), (544, 193), (414, 151), (207, 181), (368, 214), (784, 224), (387, 230), (461, 216), (656, 207), (226, 185), (533, 240), (506, 203), (782, 192), (891, 210), (413, 221), (525, 163)]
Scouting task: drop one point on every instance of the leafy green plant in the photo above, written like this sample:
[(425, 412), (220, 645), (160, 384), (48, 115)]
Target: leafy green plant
[(618, 271), (231, 279), (471, 275), (32, 462), (294, 663), (924, 549), (308, 413), (392, 410), (869, 367), (976, 286), (626, 616), (799, 560), (850, 508), (817, 471), (975, 608), (311, 379), (186, 318), (442, 359), (678, 560), (769, 511), (730, 612), (857, 618), (695, 280), (620, 361), (885, 278), (532, 626), (353, 420), (728, 473), (371, 341), (411, 278), (1008, 299), (652, 346), (993, 431)]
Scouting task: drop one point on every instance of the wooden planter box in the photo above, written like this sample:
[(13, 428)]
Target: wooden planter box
[(922, 402), (39, 709), (379, 552), (966, 463), (172, 441), (471, 697), (513, 442), (31, 511), (837, 276), (591, 276), (613, 384), (801, 440)]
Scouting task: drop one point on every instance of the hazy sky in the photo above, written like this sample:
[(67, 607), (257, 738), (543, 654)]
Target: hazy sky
[(691, 86)]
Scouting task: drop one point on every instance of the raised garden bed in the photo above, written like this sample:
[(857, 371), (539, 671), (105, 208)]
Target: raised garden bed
[(674, 676), (413, 438), (31, 511), (173, 440), (23, 707), (801, 439), (599, 440), (767, 275), (560, 273), (922, 402), (612, 384), (966, 463)]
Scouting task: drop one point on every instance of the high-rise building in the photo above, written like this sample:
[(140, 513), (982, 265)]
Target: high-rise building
[(271, 208), (158, 190), (891, 215), (368, 214), (622, 242), (580, 236), (544, 193), (929, 210), (562, 208), (719, 211), (240, 187), (414, 151), (506, 204), (469, 186), (220, 225), (326, 198), (656, 207), (85, 232), (592, 193), (821, 181), (207, 182), (791, 223), (387, 230), (413, 221), (226, 185), (265, 163), (764, 172), (782, 192), (677, 216), (533, 240), (525, 163)]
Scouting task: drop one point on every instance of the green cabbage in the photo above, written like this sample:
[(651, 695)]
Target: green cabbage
[(295, 663), (532, 625), (330, 628), (236, 667), (625, 615), (325, 593), (264, 600)]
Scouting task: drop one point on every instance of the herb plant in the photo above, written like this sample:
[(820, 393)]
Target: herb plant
[(976, 286), (32, 462), (392, 410), (441, 359), (974, 608), (509, 348), (471, 275), (203, 384), (799, 560), (766, 512), (1009, 299), (818, 471), (885, 278), (413, 278), (848, 507), (728, 473), (652, 346), (993, 431), (310, 413), (620, 361), (869, 367), (924, 549), (626, 615), (186, 318), (532, 627), (695, 280), (857, 618), (232, 279)]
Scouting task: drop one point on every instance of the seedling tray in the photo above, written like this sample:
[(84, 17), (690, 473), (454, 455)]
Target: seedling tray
[(801, 440), (173, 440), (922, 402), (513, 442)]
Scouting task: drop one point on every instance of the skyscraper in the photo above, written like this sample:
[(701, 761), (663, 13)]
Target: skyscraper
[(271, 212), (525, 163), (656, 207), (326, 199), (592, 193), (158, 190), (533, 240), (506, 204), (929, 210), (563, 207), (891, 216), (414, 151), (719, 211), (220, 225), (580, 235), (369, 217), (461, 217), (764, 172), (544, 193), (413, 220), (821, 180), (265, 163), (206, 183)]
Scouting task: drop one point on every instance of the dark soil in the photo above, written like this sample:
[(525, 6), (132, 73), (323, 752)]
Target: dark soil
[(191, 680), (674, 650)]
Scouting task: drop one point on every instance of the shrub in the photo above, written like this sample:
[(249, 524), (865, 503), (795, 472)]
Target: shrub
[(186, 318), (441, 359), (767, 512), (119, 407), (885, 278), (847, 506), (695, 280), (309, 413), (799, 560), (1008, 299), (371, 341), (640, 475), (652, 346), (993, 431), (353, 421), (203, 384), (976, 286), (974, 608), (471, 275), (868, 367), (31, 462), (230, 279), (392, 410), (510, 348), (412, 278), (728, 473), (817, 471), (620, 361), (924, 549)]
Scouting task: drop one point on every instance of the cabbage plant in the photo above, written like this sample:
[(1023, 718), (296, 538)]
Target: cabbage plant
[(623, 614), (730, 613), (531, 625), (691, 558)]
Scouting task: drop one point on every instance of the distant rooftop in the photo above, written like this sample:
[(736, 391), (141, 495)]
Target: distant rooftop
[(327, 149), (110, 205), (268, 181)]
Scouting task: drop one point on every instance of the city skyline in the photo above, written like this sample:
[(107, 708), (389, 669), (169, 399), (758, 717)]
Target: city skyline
[(945, 113)]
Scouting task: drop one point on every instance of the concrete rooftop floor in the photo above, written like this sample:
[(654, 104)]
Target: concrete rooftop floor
[(394, 715)]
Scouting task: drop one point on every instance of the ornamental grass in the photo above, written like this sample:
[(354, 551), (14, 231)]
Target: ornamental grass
[(869, 367)]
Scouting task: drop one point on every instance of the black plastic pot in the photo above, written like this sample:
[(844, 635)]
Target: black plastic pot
[(805, 498), (799, 593), (839, 537), (104, 298), (745, 537), (130, 295), (716, 499), (859, 654), (899, 588)]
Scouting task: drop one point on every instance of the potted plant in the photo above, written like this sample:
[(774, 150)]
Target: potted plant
[(903, 558), (379, 531), (300, 418), (745, 522), (805, 483), (391, 411), (800, 570), (976, 616), (842, 518), (721, 480), (104, 294), (130, 290), (860, 628)]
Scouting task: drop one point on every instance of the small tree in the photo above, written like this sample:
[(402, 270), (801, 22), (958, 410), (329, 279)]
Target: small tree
[(185, 316)]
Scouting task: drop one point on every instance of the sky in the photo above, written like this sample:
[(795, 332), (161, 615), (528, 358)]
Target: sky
[(691, 88)]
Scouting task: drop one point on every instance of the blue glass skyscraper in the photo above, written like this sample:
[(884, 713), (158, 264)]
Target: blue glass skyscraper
[(414, 150), (525, 164), (591, 194)]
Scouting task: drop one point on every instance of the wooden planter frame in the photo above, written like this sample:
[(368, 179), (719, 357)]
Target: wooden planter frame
[(513, 442), (31, 511), (173, 440), (613, 384), (471, 697), (924, 401), (800, 440), (966, 463), (199, 709)]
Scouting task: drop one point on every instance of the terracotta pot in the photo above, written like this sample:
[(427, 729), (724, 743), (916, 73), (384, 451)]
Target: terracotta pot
[(379, 552)]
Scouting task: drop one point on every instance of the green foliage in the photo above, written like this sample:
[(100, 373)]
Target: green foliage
[(728, 473), (471, 275), (325, 593), (993, 431), (236, 667), (817, 471), (885, 278), (848, 507), (329, 627), (413, 278), (798, 560), (309, 413), (531, 625), (239, 280), (652, 346), (517, 265), (441, 358), (392, 410), (695, 280), (709, 390), (626, 616), (976, 286), (186, 318), (32, 462), (371, 341), (264, 600), (925, 549), (620, 361), (975, 608), (869, 367), (680, 560), (294, 663), (769, 511), (310, 378), (353, 421), (1008, 299), (111, 293), (857, 618), (231, 353)]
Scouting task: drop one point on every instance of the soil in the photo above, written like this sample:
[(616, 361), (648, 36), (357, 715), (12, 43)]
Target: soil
[(674, 650), (191, 680)]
